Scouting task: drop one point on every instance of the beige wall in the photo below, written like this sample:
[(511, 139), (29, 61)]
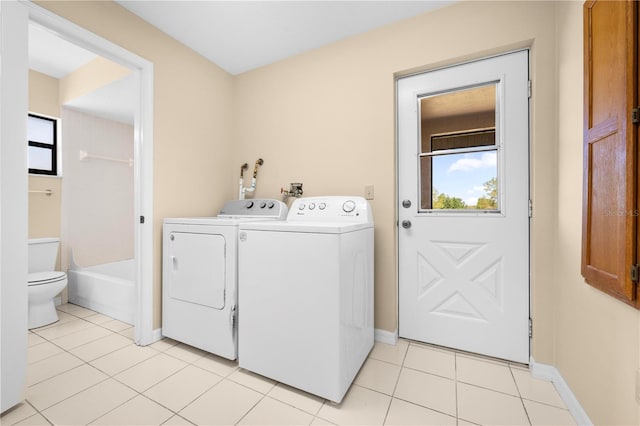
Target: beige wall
[(326, 118), (91, 76), (43, 94), (44, 210), (192, 118), (596, 337)]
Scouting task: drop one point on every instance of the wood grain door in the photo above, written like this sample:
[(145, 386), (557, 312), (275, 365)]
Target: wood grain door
[(610, 164)]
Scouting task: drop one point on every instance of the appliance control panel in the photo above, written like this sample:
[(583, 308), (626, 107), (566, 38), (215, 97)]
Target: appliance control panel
[(254, 208), (336, 208)]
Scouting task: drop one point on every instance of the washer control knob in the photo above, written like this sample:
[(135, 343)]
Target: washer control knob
[(349, 206), (270, 205), (312, 206), (301, 206), (263, 205), (249, 204), (322, 206)]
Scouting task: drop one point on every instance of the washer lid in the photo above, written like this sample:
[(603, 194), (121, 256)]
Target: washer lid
[(36, 278), (306, 227)]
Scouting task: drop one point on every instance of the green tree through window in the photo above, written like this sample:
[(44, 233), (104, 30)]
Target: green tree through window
[(487, 202)]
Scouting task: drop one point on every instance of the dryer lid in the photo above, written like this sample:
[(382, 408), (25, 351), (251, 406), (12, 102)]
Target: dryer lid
[(36, 278)]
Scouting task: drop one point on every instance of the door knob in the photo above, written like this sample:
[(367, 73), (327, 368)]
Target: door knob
[(406, 204), (406, 224)]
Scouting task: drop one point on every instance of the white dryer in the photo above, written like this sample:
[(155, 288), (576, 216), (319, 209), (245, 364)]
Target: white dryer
[(306, 295), (199, 274)]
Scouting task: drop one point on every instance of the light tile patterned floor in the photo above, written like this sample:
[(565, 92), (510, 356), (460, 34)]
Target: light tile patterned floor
[(85, 369)]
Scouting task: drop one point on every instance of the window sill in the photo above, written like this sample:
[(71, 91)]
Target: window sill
[(45, 176)]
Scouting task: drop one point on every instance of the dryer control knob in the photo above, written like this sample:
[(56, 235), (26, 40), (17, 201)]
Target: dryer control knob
[(312, 206), (322, 206), (249, 204), (263, 205), (301, 206), (349, 206), (271, 204)]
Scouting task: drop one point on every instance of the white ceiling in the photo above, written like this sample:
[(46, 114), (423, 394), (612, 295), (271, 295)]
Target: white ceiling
[(237, 35), (242, 35), (53, 56)]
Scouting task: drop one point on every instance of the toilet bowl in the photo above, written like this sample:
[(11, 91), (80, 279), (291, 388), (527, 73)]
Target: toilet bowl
[(44, 282)]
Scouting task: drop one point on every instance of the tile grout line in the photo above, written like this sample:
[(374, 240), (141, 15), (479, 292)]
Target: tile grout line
[(36, 413), (395, 386), (252, 407), (83, 363), (315, 416), (109, 376)]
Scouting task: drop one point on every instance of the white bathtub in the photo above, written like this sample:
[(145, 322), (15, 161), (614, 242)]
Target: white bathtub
[(108, 288)]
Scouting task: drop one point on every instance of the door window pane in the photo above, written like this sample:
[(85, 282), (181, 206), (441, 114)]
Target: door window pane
[(464, 181), (459, 150)]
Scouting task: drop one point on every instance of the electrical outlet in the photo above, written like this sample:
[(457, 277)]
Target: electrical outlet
[(368, 192)]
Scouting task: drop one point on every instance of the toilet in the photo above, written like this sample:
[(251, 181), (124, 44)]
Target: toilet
[(44, 282)]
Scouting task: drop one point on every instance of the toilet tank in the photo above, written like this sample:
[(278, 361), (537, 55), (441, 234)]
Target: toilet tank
[(43, 253)]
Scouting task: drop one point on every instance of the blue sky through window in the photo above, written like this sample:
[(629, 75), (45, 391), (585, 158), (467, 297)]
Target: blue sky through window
[(463, 175)]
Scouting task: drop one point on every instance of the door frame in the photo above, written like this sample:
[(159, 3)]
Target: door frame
[(142, 161), (453, 64)]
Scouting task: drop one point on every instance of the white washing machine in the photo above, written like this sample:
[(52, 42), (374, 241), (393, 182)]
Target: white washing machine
[(306, 295), (199, 274)]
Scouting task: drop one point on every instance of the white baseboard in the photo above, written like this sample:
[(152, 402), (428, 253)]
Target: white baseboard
[(550, 373), (384, 336), (156, 335)]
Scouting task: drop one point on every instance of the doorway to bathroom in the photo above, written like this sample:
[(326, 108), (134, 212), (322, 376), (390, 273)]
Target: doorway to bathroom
[(463, 207), (107, 175)]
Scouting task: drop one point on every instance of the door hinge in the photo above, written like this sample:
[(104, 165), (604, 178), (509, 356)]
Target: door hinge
[(529, 90), (530, 209), (635, 272), (530, 328), (635, 115), (141, 219)]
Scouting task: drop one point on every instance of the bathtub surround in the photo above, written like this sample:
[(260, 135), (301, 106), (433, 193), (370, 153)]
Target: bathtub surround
[(97, 195)]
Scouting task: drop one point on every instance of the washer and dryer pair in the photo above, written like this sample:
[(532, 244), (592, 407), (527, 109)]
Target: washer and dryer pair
[(200, 274), (305, 292)]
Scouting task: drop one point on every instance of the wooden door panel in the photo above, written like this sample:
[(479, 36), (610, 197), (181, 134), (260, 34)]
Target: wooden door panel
[(609, 202)]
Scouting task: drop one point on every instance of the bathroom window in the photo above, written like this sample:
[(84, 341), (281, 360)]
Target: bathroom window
[(42, 134)]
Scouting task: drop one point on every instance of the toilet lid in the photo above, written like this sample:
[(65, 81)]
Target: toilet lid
[(36, 278)]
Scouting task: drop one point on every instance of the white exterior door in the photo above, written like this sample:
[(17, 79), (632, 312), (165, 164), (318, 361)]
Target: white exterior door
[(463, 207)]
